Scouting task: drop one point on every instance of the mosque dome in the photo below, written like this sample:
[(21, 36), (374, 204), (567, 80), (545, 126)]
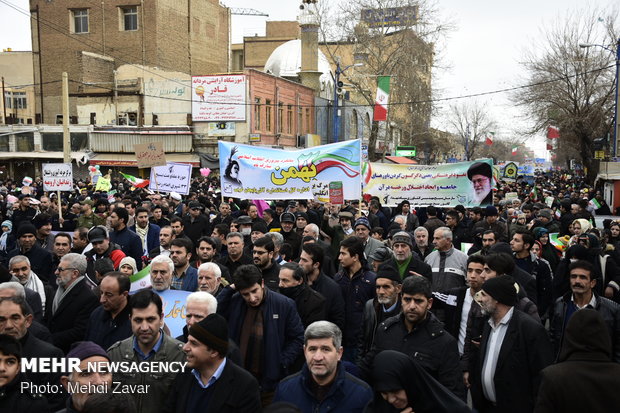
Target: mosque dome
[(285, 61)]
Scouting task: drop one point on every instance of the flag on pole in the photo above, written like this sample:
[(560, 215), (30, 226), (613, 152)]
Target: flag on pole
[(514, 150), (534, 194), (137, 182), (558, 242), (553, 132), (489, 139), (140, 280), (383, 97), (366, 172)]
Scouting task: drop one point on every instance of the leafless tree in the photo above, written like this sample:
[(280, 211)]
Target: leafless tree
[(573, 87), (470, 122)]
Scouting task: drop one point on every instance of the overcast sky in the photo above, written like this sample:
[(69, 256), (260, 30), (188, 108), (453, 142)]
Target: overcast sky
[(482, 54)]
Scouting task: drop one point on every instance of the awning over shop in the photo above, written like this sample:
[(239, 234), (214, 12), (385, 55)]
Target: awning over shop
[(76, 156), (129, 159), (401, 160)]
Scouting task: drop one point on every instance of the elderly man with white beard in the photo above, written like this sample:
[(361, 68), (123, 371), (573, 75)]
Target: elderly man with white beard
[(20, 267)]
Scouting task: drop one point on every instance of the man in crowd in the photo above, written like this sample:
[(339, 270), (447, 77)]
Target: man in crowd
[(80, 240), (184, 276), (513, 350), (311, 260), (210, 278), (88, 218), (158, 217), (419, 334), (212, 384), (235, 257), (269, 344), (262, 252), (40, 259), (582, 295), (385, 305), (73, 303), (521, 243), (357, 285), (129, 242), (62, 246), (24, 213), (291, 237), (198, 305), (148, 344), (310, 304), (162, 268), (109, 322), (432, 222), (404, 260), (362, 231), (314, 388), (148, 232), (421, 247), (15, 320), (102, 248), (448, 264), (94, 372), (196, 223), (166, 235), (491, 221), (207, 250), (20, 267), (43, 224)]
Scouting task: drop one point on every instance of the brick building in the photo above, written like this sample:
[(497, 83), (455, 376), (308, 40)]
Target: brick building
[(89, 40)]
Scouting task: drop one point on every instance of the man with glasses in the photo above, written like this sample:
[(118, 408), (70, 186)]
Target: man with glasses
[(109, 322), (73, 303), (262, 254)]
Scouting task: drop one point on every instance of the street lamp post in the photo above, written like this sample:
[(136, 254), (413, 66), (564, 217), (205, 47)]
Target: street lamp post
[(336, 113), (617, 53)]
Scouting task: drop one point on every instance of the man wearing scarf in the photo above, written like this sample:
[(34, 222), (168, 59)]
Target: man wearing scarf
[(19, 266)]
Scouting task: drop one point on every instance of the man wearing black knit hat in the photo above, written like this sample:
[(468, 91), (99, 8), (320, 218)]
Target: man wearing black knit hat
[(215, 384), (513, 350), (40, 259)]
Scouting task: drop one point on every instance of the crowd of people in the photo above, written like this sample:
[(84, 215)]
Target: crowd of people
[(302, 306)]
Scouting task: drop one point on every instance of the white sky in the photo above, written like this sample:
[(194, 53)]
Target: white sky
[(482, 53)]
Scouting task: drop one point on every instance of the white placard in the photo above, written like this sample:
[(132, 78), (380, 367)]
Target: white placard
[(218, 98), (57, 177), (174, 177)]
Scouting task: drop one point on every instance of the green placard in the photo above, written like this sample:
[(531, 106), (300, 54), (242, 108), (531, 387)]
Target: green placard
[(406, 151)]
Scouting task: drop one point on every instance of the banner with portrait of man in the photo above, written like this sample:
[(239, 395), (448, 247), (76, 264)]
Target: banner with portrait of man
[(448, 185)]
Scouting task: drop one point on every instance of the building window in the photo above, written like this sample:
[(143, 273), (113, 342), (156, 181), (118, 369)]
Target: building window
[(257, 114), (8, 102), (130, 18), (289, 119), (280, 116), (19, 100), (268, 115), (80, 20)]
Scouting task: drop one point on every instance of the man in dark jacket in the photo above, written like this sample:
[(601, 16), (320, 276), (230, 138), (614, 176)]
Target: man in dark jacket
[(148, 233), (419, 334), (129, 241), (215, 384), (323, 384), (196, 223), (263, 257), (265, 325), (357, 285), (310, 304), (311, 260), (584, 367), (109, 322), (513, 350), (15, 320), (73, 303), (582, 296), (385, 305), (40, 259), (102, 248)]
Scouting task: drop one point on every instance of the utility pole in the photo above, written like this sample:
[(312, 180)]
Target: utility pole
[(66, 145), (4, 100)]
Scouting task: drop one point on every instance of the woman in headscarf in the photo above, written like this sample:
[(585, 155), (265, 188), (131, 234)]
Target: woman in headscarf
[(7, 239), (403, 386), (580, 226), (547, 250), (128, 266)]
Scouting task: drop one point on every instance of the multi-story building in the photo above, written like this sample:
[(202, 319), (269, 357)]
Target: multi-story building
[(89, 40), (17, 104)]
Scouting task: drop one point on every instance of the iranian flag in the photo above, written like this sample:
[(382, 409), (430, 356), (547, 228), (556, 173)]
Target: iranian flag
[(137, 182), (366, 172), (489, 138), (140, 280), (514, 150), (383, 96)]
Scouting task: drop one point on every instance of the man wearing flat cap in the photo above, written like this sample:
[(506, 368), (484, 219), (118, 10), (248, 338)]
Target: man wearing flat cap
[(481, 175), (362, 231), (214, 384), (513, 350)]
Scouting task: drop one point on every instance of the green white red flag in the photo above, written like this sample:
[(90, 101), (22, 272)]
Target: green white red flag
[(514, 150), (137, 182), (383, 97)]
